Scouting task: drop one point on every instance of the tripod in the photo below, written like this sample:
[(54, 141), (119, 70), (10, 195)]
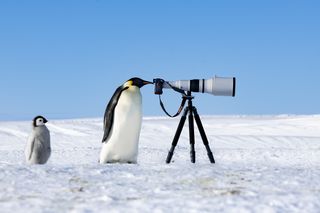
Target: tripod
[(192, 114)]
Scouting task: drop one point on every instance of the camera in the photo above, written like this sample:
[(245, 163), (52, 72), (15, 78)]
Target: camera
[(219, 86), (158, 85)]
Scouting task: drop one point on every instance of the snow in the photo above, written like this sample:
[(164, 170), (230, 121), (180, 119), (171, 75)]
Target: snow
[(263, 164)]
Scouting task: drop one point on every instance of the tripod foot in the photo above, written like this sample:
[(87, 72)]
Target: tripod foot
[(193, 156), (170, 154), (210, 156)]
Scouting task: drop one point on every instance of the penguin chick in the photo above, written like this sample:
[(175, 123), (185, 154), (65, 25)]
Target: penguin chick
[(122, 123), (38, 148)]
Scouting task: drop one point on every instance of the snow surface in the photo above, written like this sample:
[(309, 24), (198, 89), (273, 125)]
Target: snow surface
[(263, 164)]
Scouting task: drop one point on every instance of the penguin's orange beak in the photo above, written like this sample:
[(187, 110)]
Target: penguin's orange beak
[(146, 82)]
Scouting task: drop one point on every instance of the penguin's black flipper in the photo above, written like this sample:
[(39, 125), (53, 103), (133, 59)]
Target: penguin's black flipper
[(108, 115)]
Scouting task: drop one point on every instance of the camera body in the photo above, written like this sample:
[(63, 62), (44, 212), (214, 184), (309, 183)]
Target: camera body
[(158, 86), (219, 86)]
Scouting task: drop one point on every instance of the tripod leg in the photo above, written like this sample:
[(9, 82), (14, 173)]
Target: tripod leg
[(177, 135), (191, 137), (203, 134)]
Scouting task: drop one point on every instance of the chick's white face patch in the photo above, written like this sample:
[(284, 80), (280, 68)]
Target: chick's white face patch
[(39, 122)]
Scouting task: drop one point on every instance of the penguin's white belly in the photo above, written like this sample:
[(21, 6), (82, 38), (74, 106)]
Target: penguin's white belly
[(122, 143)]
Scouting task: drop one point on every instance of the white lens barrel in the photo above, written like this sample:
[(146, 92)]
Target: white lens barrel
[(220, 86), (181, 84)]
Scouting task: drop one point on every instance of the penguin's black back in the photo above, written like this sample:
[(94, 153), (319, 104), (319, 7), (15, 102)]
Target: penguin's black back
[(109, 113)]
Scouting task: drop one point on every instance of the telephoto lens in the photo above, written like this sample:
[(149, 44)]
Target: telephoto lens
[(219, 86)]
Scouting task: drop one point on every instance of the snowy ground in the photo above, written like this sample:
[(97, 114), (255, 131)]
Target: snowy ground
[(263, 164)]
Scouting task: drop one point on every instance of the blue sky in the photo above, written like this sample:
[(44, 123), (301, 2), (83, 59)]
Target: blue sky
[(64, 59)]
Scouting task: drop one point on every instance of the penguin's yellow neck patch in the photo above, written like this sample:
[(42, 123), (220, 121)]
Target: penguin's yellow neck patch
[(128, 84)]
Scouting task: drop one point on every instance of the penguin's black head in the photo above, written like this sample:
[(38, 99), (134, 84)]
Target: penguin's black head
[(39, 121), (137, 82)]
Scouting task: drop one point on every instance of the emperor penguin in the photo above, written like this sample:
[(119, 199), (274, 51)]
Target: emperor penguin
[(122, 123), (38, 149)]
